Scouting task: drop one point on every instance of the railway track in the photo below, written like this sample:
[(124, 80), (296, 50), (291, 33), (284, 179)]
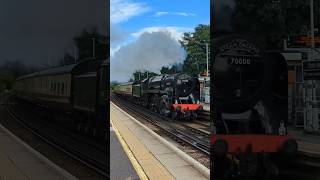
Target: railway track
[(76, 147), (196, 138)]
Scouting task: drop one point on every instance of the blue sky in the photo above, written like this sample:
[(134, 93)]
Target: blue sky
[(181, 13), (130, 19)]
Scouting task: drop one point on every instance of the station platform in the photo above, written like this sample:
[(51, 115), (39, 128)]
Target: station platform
[(151, 156), (18, 161), (308, 144)]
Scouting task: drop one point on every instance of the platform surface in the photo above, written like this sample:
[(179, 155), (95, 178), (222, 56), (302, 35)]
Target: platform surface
[(18, 163), (120, 165), (307, 143), (155, 159)]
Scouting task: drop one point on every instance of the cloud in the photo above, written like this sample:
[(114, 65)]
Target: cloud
[(113, 50), (151, 51), (184, 14), (161, 13), (174, 31), (122, 10)]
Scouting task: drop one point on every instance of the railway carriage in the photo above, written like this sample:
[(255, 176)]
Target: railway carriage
[(77, 89), (124, 89), (50, 88)]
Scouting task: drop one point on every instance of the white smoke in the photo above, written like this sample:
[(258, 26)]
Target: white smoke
[(150, 51)]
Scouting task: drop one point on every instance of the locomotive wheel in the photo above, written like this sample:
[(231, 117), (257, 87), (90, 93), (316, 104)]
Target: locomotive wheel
[(268, 168), (154, 103), (162, 108), (94, 132), (219, 168), (79, 127), (87, 130), (174, 115), (194, 116)]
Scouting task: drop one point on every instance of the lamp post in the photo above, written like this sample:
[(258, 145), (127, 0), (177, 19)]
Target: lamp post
[(207, 53), (75, 54), (93, 48)]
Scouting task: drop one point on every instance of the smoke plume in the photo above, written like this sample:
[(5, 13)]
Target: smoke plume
[(150, 51)]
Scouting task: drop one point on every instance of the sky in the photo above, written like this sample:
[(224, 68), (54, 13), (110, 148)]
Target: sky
[(145, 33), (38, 32)]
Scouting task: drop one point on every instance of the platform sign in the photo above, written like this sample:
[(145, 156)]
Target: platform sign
[(302, 42), (311, 70)]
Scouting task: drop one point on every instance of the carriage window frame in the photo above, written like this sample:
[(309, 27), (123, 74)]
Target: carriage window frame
[(58, 87), (54, 88), (51, 87)]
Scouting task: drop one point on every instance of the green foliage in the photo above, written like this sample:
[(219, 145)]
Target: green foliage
[(14, 69), (84, 43), (113, 84), (9, 71), (195, 46)]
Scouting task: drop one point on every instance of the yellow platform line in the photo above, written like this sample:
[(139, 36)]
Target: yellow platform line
[(142, 175)]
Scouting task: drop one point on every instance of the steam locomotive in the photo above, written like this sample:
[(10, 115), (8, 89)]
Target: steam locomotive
[(250, 103), (176, 95)]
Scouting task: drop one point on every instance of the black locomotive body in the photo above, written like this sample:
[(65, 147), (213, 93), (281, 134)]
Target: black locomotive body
[(250, 103)]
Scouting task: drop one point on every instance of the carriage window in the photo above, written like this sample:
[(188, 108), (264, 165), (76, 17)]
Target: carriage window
[(51, 87), (54, 88), (62, 88)]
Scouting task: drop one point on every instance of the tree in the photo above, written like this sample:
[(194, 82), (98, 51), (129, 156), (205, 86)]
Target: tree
[(175, 68), (195, 46), (67, 59), (273, 21), (85, 42)]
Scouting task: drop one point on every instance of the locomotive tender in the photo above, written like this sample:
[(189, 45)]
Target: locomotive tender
[(77, 89), (250, 103), (176, 95)]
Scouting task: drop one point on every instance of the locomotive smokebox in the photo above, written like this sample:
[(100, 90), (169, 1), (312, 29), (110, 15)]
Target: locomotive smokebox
[(250, 86), (240, 73)]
